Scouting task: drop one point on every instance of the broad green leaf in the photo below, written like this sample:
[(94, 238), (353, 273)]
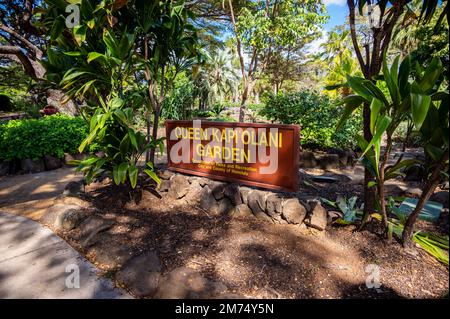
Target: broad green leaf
[(79, 34), (369, 158), (122, 171), (352, 102), (376, 92), (111, 43), (74, 53), (375, 108), (57, 27), (152, 175), (391, 79), (419, 106), (94, 55), (87, 140), (133, 138), (91, 24), (115, 103), (390, 173), (125, 145), (133, 174), (432, 73), (371, 184), (382, 125), (436, 153), (405, 69), (357, 85)]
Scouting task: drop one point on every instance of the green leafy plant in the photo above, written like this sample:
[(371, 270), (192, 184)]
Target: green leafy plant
[(435, 245), (178, 105), (112, 125), (405, 99), (33, 138), (111, 130), (317, 116), (351, 212)]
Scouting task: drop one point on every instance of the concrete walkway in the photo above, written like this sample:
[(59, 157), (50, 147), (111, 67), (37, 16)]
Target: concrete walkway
[(35, 263)]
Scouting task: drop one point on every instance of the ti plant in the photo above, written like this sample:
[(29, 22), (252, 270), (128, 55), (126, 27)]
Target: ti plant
[(108, 73), (434, 244), (111, 130), (406, 99)]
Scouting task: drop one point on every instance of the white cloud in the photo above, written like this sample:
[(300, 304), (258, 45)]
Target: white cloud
[(335, 2), (314, 46)]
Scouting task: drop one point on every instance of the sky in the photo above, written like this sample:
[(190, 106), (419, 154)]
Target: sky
[(337, 11)]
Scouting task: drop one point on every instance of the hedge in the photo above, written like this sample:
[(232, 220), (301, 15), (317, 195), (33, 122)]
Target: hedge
[(33, 138), (317, 114)]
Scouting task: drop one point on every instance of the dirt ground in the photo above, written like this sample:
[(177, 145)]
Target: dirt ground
[(252, 258)]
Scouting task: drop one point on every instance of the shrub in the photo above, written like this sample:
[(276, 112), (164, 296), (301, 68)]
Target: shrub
[(5, 103), (178, 105), (33, 138), (317, 114)]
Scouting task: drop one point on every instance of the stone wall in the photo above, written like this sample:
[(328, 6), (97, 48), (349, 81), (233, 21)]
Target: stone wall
[(333, 159), (27, 166), (216, 197)]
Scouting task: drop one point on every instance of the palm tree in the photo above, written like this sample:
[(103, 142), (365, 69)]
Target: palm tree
[(217, 78), (340, 62)]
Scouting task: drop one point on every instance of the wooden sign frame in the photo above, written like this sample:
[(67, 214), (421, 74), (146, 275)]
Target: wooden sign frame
[(292, 163)]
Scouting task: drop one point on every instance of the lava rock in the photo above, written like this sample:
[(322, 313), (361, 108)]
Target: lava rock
[(256, 202), (74, 188), (328, 161), (184, 283), (141, 274), (308, 160), (207, 200), (166, 174), (232, 192), (274, 205), (92, 226), (179, 186), (194, 194), (293, 211), (218, 189), (51, 162), (32, 166), (244, 194), (68, 217), (241, 210), (441, 197), (164, 186), (415, 173), (317, 218), (223, 206)]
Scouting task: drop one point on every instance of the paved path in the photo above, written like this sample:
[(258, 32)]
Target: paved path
[(33, 264)]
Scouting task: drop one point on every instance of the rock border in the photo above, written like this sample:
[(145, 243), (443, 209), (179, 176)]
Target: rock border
[(217, 197)]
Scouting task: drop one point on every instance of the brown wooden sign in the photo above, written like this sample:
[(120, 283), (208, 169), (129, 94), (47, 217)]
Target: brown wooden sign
[(262, 155)]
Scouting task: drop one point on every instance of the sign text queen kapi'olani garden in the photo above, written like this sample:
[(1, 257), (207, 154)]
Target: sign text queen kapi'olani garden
[(263, 155)]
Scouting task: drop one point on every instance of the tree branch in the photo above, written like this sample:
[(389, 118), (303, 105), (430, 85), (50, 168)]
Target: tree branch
[(26, 63), (37, 52), (351, 7)]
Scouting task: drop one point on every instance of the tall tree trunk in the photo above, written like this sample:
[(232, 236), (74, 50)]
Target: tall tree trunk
[(154, 132), (242, 106), (381, 180), (248, 87), (428, 190), (369, 192), (149, 125)]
